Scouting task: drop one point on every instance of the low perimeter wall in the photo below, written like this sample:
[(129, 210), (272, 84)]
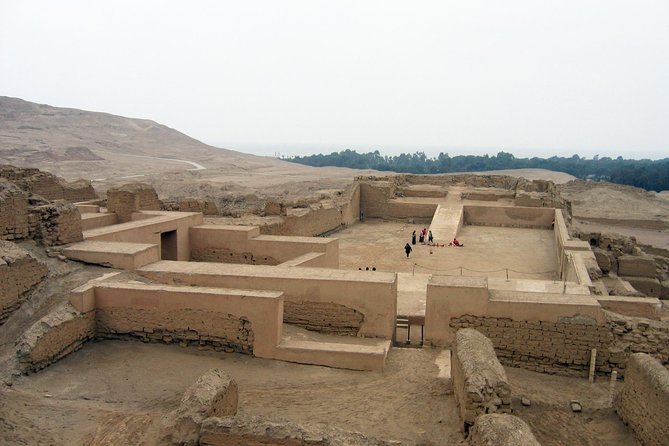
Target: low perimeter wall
[(326, 300), (501, 430), (244, 321), (643, 402), (147, 227), (512, 217), (540, 331), (544, 332), (244, 244), (479, 380)]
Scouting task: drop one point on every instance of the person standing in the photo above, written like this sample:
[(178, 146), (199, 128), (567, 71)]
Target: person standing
[(407, 249), (430, 239), (413, 237)]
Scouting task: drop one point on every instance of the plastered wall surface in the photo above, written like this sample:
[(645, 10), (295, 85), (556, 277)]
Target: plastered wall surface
[(231, 320), (147, 226), (643, 402), (375, 297), (317, 219), (19, 272), (514, 217), (243, 244)]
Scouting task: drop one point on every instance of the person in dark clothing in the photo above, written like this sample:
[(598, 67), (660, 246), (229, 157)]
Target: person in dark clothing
[(413, 238), (407, 249), (430, 239)]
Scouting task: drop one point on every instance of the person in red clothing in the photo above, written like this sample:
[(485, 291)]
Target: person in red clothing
[(455, 242)]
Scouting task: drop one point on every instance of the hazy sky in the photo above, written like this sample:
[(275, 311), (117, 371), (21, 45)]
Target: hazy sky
[(531, 77)]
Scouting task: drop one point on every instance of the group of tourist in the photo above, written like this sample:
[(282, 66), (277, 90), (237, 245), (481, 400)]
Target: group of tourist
[(424, 235), (427, 235)]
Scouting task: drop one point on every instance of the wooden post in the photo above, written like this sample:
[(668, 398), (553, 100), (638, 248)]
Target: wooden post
[(612, 385), (593, 360)]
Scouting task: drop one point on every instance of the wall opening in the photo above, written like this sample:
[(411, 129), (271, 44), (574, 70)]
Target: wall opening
[(168, 245)]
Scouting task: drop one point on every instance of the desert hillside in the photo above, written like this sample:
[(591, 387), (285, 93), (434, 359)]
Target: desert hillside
[(110, 149)]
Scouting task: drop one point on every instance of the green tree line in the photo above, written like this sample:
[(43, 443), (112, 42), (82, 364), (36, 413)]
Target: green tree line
[(645, 173)]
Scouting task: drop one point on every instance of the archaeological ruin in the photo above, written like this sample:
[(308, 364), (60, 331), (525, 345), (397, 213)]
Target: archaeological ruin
[(327, 283)]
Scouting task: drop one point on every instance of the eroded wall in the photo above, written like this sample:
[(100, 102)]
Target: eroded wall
[(643, 402), (480, 384), (54, 336), (374, 296), (47, 185), (19, 273), (130, 198)]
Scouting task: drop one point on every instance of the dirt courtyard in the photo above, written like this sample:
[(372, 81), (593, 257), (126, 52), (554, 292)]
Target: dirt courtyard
[(115, 392), (488, 251)]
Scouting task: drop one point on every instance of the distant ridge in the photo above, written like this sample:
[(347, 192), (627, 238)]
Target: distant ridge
[(67, 141)]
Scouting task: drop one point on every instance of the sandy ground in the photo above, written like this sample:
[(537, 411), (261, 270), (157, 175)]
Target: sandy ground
[(121, 399), (488, 251), (74, 403)]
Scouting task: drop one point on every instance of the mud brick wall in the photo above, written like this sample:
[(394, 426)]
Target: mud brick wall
[(188, 327), (56, 335), (564, 348), (129, 198), (14, 216), (501, 430), (643, 402), (260, 431), (206, 206), (229, 256), (310, 222), (549, 347), (19, 273), (636, 335), (47, 185), (59, 223), (325, 317), (479, 380)]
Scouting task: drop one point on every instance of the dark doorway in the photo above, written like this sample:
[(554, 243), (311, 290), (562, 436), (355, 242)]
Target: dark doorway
[(168, 245)]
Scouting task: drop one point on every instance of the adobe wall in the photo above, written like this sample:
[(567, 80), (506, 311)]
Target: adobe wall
[(47, 185), (14, 215), (551, 333), (130, 198), (325, 317), (54, 336), (479, 380), (561, 348), (147, 227), (643, 402), (19, 273), (243, 244), (206, 206), (377, 201), (214, 394), (317, 219), (260, 431), (243, 321), (512, 217), (311, 221), (501, 430), (59, 223), (374, 296)]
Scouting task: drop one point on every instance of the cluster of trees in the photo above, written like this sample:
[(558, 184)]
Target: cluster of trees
[(647, 174)]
